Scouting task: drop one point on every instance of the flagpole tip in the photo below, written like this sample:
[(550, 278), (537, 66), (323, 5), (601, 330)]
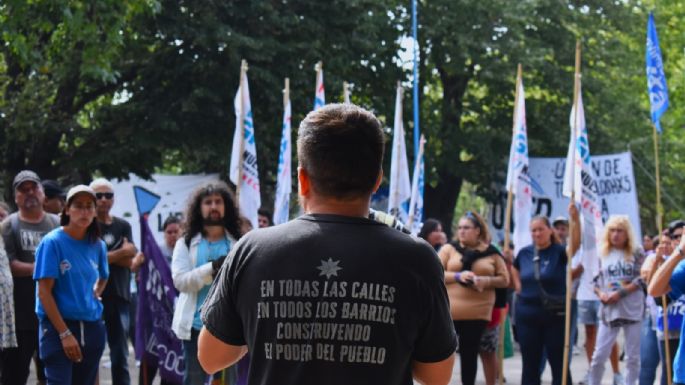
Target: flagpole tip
[(243, 65), (319, 66)]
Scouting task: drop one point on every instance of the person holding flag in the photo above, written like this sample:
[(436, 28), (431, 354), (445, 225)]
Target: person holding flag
[(210, 231)]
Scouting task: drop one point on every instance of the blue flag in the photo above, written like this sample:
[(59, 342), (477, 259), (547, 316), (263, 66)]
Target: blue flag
[(656, 79), (156, 345)]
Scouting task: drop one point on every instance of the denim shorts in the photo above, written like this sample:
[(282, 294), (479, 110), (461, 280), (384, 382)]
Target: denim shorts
[(588, 312)]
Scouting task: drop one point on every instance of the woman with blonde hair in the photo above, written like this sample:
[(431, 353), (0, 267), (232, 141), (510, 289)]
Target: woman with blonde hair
[(473, 270), (621, 292)]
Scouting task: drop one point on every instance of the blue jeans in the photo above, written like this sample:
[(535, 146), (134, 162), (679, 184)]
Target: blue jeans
[(60, 370), (537, 330), (649, 353), (117, 320), (193, 374)]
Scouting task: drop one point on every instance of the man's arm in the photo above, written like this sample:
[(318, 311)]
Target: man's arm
[(215, 354), (21, 269), (433, 373), (122, 256), (574, 242), (659, 284)]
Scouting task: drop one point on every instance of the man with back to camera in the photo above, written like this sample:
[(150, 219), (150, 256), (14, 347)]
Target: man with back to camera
[(22, 232), (332, 297), (116, 297)]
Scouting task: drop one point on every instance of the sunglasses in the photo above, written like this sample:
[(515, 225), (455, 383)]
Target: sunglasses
[(106, 195), (676, 236)]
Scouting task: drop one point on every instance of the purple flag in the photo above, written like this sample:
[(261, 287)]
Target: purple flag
[(156, 345)]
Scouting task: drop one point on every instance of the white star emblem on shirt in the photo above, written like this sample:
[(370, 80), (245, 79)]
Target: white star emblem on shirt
[(329, 268)]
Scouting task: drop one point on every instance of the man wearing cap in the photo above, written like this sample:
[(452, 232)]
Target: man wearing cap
[(116, 233), (54, 197), (22, 232)]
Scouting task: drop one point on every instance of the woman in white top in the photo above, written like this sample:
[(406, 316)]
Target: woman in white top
[(621, 292)]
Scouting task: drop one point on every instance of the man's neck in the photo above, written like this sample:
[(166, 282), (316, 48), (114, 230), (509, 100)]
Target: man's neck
[(32, 216), (105, 218), (358, 207), (214, 233)]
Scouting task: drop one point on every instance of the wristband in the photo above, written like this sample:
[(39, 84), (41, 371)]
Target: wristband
[(457, 277), (64, 334)]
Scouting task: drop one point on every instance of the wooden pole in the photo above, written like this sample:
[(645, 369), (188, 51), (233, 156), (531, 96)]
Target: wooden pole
[(241, 127), (569, 280), (659, 225), (507, 230)]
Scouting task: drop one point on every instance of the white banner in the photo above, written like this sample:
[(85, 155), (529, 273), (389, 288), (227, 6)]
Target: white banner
[(174, 191), (614, 182)]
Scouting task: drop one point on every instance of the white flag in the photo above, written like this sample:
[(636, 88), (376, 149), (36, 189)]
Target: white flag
[(320, 94), (249, 198), (518, 180), (415, 220), (346, 93), (578, 178), (284, 178), (400, 186)]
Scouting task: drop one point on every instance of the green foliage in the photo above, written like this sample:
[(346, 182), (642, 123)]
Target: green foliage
[(113, 87)]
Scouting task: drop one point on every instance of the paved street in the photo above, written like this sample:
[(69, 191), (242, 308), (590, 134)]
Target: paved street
[(512, 371)]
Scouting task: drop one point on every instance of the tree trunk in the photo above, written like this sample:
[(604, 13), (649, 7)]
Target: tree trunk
[(441, 201)]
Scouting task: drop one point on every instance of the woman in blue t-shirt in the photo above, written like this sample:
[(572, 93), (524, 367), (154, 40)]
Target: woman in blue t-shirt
[(538, 327), (71, 270)]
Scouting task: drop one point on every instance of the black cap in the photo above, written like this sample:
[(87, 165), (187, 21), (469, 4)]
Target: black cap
[(52, 189), (25, 176), (675, 225)]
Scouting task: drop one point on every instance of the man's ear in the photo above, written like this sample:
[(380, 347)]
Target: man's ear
[(304, 184), (379, 180)]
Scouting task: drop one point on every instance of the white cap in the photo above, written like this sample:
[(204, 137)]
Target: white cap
[(80, 189)]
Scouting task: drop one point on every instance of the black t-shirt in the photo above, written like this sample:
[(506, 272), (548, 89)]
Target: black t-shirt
[(21, 241), (119, 282), (327, 299)]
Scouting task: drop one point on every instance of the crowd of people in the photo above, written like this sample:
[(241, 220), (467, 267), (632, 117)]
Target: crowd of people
[(339, 295)]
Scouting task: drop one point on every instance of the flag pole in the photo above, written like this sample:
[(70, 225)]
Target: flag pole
[(286, 93), (569, 280), (241, 127), (659, 225), (396, 150), (507, 230)]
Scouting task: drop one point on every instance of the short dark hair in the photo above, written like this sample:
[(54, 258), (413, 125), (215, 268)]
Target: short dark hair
[(429, 225), (170, 220), (675, 225), (265, 213), (341, 148)]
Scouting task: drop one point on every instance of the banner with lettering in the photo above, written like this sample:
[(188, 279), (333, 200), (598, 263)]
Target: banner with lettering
[(156, 345), (614, 182)]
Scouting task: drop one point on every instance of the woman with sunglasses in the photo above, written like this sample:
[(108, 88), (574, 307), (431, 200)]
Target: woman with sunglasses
[(72, 270), (540, 271), (473, 270)]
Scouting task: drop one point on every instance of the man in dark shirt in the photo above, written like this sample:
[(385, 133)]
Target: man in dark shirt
[(116, 233), (332, 297), (22, 232)]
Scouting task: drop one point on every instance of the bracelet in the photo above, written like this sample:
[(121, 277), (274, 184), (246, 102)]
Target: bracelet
[(64, 334), (457, 277)]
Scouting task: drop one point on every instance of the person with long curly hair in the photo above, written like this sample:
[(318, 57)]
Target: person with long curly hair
[(212, 227), (621, 291)]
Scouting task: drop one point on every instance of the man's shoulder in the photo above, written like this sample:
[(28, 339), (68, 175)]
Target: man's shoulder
[(120, 222)]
